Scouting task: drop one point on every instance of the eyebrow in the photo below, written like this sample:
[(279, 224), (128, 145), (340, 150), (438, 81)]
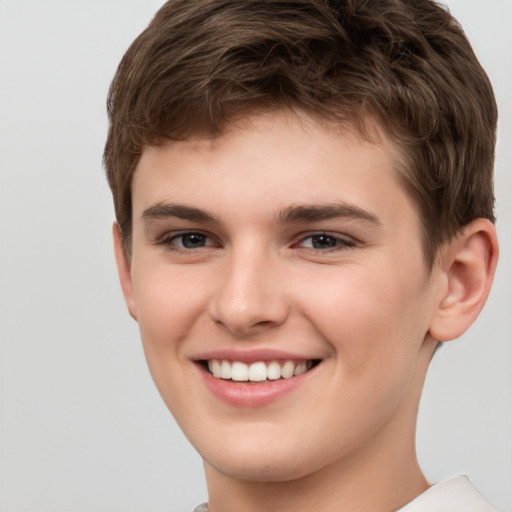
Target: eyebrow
[(313, 213), (298, 213), (179, 211)]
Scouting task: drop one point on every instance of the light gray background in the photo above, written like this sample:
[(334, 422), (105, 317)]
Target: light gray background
[(82, 428)]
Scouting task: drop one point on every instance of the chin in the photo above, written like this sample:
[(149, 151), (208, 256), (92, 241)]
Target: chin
[(266, 461), (263, 469)]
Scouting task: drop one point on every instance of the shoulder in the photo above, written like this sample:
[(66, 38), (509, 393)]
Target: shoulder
[(454, 494)]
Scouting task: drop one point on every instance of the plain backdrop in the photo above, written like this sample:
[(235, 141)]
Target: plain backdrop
[(82, 428)]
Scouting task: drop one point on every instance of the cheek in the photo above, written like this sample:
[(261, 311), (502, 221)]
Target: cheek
[(169, 301), (375, 320), (374, 327), (169, 304)]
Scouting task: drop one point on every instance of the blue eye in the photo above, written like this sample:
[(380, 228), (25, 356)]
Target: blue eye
[(325, 242)]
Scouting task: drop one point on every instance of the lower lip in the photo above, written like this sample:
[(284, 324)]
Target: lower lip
[(242, 394)]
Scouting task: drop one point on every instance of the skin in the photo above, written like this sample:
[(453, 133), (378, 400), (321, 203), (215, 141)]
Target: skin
[(352, 291)]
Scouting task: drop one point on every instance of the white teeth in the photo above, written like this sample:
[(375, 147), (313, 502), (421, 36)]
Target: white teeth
[(287, 370), (225, 370), (214, 367), (258, 371), (239, 371), (273, 371), (300, 368)]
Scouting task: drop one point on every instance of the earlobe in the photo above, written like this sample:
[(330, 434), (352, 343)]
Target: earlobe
[(123, 268), (467, 265)]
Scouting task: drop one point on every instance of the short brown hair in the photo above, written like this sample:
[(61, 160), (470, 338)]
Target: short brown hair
[(404, 63)]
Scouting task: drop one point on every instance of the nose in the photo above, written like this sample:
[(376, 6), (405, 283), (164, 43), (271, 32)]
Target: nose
[(250, 297)]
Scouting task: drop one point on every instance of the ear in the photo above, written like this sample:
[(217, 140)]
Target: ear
[(467, 265), (124, 270)]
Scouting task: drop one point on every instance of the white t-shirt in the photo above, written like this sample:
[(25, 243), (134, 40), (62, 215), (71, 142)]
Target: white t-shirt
[(452, 495), (456, 494)]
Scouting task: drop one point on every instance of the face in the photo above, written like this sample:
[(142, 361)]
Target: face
[(278, 279)]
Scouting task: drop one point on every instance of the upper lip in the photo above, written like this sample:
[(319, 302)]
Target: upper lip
[(252, 356)]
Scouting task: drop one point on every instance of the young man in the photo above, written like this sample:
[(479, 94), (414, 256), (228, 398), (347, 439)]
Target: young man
[(304, 199)]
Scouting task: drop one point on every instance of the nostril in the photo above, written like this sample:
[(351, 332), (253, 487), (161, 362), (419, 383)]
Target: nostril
[(263, 323), (242, 326)]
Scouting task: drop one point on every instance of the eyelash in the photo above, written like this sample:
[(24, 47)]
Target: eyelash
[(169, 241), (334, 242), (340, 242)]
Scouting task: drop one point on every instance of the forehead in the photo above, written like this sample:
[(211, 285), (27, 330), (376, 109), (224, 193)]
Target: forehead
[(273, 148), (289, 135)]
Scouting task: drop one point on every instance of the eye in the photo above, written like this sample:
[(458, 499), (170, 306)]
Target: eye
[(325, 242), (188, 240)]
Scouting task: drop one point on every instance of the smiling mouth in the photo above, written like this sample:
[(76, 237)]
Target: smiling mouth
[(259, 371)]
